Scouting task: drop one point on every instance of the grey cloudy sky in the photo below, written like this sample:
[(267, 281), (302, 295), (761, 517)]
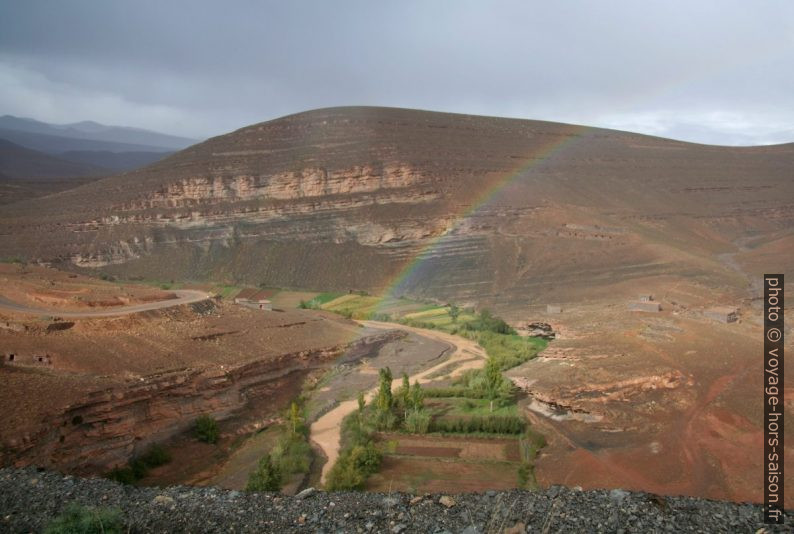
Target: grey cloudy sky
[(717, 71)]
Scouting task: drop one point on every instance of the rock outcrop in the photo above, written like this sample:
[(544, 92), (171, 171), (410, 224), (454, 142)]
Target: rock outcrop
[(107, 427)]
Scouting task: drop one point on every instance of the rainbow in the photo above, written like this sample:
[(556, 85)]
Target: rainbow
[(538, 155)]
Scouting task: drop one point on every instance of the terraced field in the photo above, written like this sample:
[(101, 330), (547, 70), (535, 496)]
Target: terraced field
[(394, 309), (429, 464)]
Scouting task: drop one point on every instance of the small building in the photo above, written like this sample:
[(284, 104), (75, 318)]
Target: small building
[(645, 306), (722, 314), (646, 297), (256, 299), (553, 308)]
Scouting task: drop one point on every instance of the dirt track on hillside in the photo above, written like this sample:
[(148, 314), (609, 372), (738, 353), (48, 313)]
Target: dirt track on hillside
[(184, 296)]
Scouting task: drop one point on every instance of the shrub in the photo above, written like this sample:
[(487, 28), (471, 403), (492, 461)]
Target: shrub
[(417, 422), (207, 429), (312, 304), (523, 475), (365, 458), (530, 443), (137, 468), (78, 519), (156, 456), (292, 454), (344, 476), (267, 476), (486, 322), (353, 467), (122, 475)]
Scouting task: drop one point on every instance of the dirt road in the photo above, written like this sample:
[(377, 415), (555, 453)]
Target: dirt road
[(184, 296), (326, 431)]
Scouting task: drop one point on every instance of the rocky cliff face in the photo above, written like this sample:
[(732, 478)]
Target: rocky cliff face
[(109, 426), (487, 208)]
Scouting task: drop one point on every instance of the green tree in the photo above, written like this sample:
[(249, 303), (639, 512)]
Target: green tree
[(417, 397), (362, 404), (385, 400), (267, 476), (454, 312), (295, 418), (404, 395), (493, 380)]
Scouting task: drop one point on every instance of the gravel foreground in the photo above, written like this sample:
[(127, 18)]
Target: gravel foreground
[(30, 498)]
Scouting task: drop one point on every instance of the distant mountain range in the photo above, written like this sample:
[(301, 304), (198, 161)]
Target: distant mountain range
[(37, 158), (86, 135)]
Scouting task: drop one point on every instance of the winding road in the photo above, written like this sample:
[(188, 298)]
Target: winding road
[(325, 432), (184, 296)]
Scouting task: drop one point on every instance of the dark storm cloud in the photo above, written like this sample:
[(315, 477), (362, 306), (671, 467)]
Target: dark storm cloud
[(717, 72)]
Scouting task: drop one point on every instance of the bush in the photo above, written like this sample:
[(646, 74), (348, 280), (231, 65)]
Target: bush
[(292, 454), (312, 304), (485, 322), (530, 443), (524, 471), (267, 476), (344, 476), (78, 519), (137, 468), (122, 475), (353, 467), (366, 458), (417, 422), (156, 456), (207, 429)]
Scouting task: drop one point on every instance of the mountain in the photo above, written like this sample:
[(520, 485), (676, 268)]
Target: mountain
[(114, 148), (20, 163), (26, 173), (500, 212), (89, 130), (57, 144)]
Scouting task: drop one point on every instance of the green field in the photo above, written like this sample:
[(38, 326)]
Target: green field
[(459, 407)]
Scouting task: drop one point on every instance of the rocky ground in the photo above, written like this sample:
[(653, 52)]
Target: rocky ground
[(29, 499)]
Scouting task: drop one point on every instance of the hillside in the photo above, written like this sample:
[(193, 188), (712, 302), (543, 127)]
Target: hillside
[(20, 163), (495, 211), (26, 173)]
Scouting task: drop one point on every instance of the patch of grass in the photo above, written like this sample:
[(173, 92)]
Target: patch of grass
[(508, 350), (461, 407), (76, 519)]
